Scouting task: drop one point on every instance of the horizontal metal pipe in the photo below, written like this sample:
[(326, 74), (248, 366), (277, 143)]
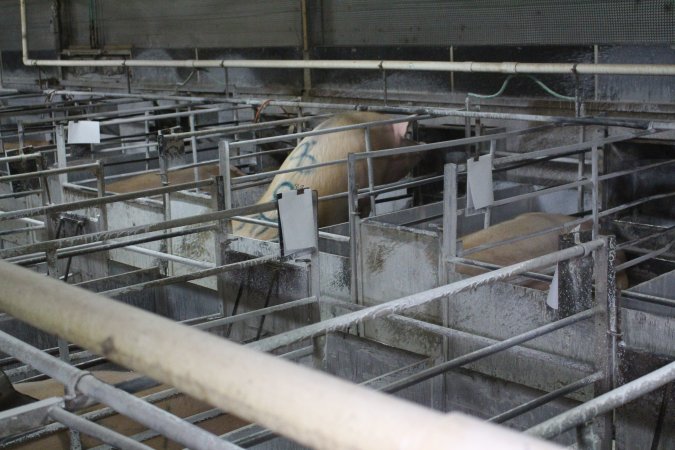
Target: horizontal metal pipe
[(251, 385), (21, 230), (20, 194), (469, 337), (648, 298), (22, 158), (194, 275), (95, 247), (439, 111), (169, 257), (247, 127), (378, 65), (99, 201), (604, 403), (647, 256), (566, 149), (48, 172), (421, 298), (539, 192), (484, 265), (315, 132), (257, 313), (102, 413), (137, 272), (512, 240), (99, 432), (488, 351), (548, 397), (267, 223), (92, 416), (84, 382), (637, 202)]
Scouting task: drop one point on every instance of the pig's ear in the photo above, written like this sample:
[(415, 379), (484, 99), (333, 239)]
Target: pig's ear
[(400, 129)]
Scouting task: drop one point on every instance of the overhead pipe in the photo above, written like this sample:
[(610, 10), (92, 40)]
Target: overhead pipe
[(435, 66)]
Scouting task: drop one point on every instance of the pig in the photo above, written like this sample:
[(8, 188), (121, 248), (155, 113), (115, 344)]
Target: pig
[(333, 179), (180, 405), (508, 254), (152, 179)]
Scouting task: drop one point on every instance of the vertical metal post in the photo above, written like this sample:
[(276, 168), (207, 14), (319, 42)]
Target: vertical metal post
[(595, 198), (354, 228), (221, 236), (580, 171), (224, 166), (301, 126), (467, 126), (314, 266), (61, 152), (2, 144), (384, 86), (20, 132), (371, 176), (452, 74), (100, 185), (596, 59), (193, 144), (166, 266), (306, 74), (607, 331), (449, 244), (487, 216), (448, 251), (146, 124)]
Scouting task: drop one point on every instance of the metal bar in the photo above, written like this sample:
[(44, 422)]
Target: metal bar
[(20, 230), (26, 417), (604, 403), (267, 223), (645, 257), (447, 144), (9, 159), (194, 275), (550, 396), (354, 228), (537, 193), (99, 201), (257, 313), (221, 131), (169, 257), (557, 120), (421, 298), (641, 201), (487, 351), (419, 181), (648, 298), (99, 432), (84, 382), (137, 272), (567, 225), (253, 386), (371, 176), (569, 149), (339, 129), (48, 172), (99, 246)]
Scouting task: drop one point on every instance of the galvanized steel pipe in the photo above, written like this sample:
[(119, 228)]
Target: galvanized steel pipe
[(605, 403)]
